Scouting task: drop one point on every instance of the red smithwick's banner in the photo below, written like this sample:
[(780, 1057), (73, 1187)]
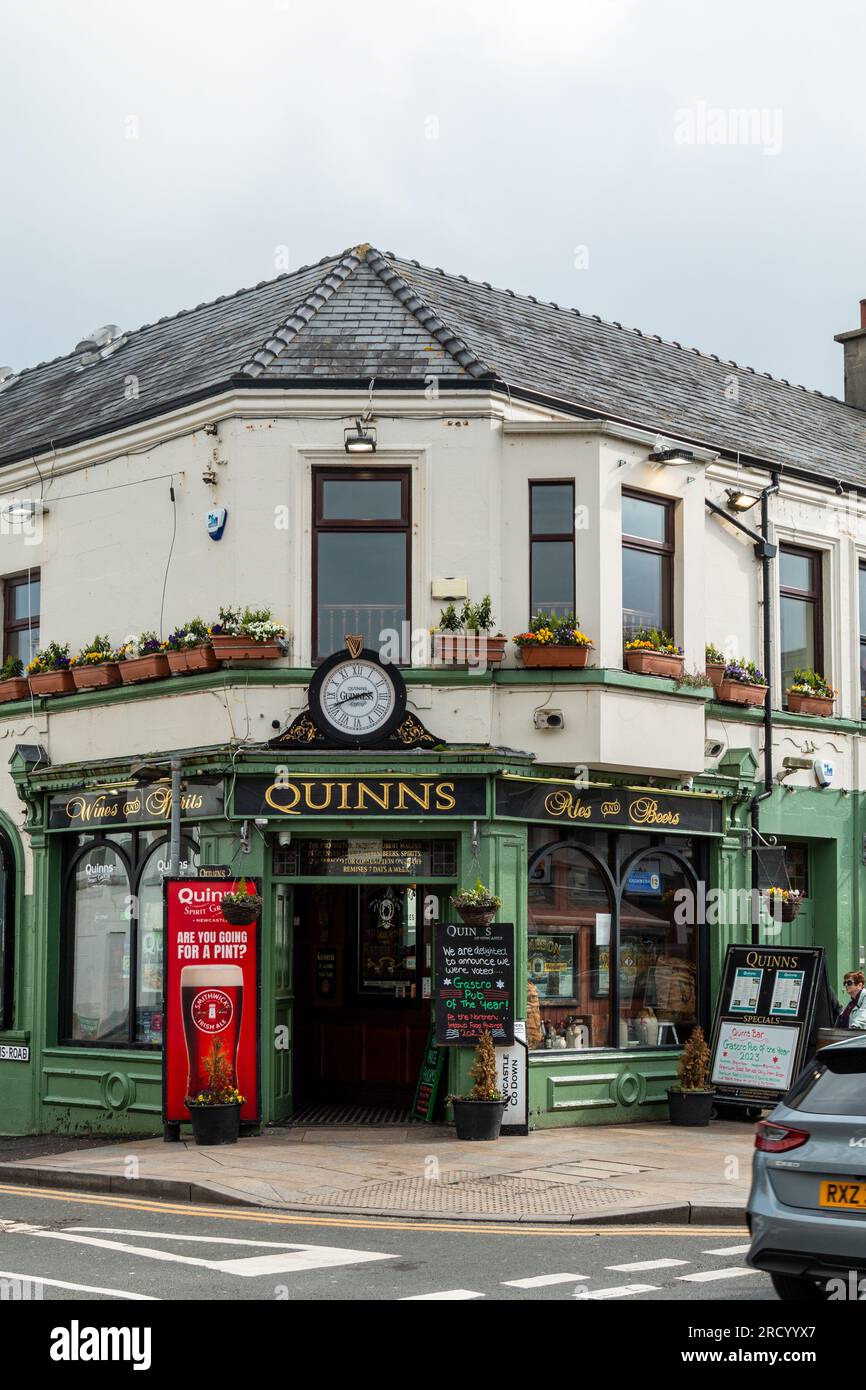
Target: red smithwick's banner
[(211, 994)]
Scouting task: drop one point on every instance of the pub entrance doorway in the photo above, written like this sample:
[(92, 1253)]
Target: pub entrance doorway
[(362, 1006)]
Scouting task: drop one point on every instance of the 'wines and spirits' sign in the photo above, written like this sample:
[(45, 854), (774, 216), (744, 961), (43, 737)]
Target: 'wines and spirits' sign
[(474, 984), (104, 810)]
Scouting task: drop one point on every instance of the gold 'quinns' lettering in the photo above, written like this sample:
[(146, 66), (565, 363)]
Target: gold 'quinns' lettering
[(303, 797)]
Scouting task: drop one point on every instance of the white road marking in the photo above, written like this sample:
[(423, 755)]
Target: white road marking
[(622, 1291), (542, 1281), (79, 1288), (291, 1259), (711, 1275), (446, 1293), (727, 1250), (638, 1265)]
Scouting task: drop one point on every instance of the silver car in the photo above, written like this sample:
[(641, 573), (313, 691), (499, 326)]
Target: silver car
[(807, 1207)]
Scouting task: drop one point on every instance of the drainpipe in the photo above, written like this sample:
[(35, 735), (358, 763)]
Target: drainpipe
[(174, 828), (765, 553)]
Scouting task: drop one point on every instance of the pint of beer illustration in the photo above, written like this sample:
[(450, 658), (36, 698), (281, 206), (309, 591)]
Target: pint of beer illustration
[(212, 1001)]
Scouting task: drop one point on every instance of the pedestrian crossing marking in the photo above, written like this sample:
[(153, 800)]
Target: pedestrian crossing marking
[(542, 1281), (451, 1294), (622, 1291), (638, 1265), (708, 1276)]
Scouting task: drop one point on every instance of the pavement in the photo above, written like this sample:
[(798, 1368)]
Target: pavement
[(596, 1174)]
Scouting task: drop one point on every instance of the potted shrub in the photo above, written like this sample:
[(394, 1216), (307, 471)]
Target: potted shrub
[(94, 667), (742, 684), (242, 905), (478, 1115), (783, 901), (13, 685), (215, 1112), (49, 671), (189, 648), (477, 906), (141, 658), (553, 642), (248, 635), (810, 693), (463, 639), (691, 1102), (715, 665), (650, 652)]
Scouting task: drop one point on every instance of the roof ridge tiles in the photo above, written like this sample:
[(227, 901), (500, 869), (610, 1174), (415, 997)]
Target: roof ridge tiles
[(301, 314), (412, 301)]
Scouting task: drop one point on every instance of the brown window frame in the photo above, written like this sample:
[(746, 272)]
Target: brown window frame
[(861, 569), (320, 525), (544, 536), (665, 548), (815, 596), (14, 625)]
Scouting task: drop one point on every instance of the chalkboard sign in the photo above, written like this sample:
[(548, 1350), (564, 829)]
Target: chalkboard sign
[(766, 1014), (474, 984), (429, 1079)]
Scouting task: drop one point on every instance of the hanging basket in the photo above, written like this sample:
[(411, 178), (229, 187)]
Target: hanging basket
[(240, 914), (475, 916)]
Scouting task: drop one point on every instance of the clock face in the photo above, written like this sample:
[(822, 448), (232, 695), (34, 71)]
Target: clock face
[(356, 699)]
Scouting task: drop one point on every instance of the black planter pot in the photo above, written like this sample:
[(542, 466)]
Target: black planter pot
[(690, 1107), (478, 1119), (215, 1124)]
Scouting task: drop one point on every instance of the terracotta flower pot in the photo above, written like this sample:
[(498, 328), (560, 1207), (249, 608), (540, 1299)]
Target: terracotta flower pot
[(554, 655), (190, 659), (52, 683), (96, 677), (468, 649), (228, 648), (810, 704), (144, 668), (715, 673), (738, 693), (16, 688), (647, 663)]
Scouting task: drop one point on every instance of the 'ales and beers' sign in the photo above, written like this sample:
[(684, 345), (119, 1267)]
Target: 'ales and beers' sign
[(637, 808), (211, 997)]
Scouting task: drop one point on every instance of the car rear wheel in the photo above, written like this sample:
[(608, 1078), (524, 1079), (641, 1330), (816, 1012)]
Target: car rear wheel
[(789, 1286)]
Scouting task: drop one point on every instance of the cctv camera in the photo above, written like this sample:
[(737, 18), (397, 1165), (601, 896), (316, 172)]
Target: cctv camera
[(548, 719), (713, 747), (261, 822), (284, 839)]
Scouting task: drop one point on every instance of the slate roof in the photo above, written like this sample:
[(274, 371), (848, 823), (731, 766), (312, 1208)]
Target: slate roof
[(364, 315)]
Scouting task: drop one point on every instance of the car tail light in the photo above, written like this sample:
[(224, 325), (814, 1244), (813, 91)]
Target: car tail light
[(773, 1138)]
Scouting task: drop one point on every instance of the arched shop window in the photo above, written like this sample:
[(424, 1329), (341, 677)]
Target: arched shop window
[(569, 929), (7, 930), (114, 936), (658, 953)]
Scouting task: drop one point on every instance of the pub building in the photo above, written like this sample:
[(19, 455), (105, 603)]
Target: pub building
[(601, 830)]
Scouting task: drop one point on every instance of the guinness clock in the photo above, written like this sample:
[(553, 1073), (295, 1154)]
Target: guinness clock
[(356, 699)]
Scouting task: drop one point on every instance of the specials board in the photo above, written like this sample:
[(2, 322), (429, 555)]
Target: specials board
[(766, 1015), (474, 984)]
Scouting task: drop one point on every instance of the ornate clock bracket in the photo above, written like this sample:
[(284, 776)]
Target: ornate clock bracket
[(304, 733)]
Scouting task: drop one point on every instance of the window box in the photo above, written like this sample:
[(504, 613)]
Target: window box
[(554, 655), (740, 693), (191, 659), (144, 668), (468, 649), (810, 704), (715, 673), (52, 683), (14, 689), (105, 673), (241, 648), (649, 663)]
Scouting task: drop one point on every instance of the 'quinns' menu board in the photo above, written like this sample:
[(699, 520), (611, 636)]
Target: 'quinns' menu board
[(474, 984), (764, 1021)]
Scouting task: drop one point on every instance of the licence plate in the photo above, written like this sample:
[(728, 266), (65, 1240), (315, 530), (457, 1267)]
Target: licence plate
[(850, 1196)]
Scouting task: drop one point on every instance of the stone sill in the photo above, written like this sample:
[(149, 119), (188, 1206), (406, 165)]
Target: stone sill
[(717, 709)]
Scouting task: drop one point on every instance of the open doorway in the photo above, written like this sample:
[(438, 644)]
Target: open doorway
[(362, 1006)]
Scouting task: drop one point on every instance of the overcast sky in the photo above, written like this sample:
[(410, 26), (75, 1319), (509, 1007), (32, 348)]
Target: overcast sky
[(157, 154)]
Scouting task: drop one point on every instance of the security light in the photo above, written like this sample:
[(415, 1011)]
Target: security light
[(740, 501), (673, 455), (24, 509), (361, 439)]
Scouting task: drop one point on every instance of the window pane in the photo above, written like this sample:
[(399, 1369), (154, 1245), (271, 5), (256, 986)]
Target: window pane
[(361, 586), (797, 617), (643, 584), (552, 577), (24, 643), (388, 931), (148, 1008), (569, 935), (862, 680), (863, 600), (795, 571), (101, 926), (658, 959), (5, 887), (552, 509), (361, 499), (645, 519), (24, 600)]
